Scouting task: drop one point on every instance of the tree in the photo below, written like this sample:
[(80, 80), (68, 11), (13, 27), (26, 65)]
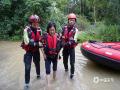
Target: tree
[(57, 16)]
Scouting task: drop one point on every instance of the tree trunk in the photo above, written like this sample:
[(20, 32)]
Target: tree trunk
[(94, 9)]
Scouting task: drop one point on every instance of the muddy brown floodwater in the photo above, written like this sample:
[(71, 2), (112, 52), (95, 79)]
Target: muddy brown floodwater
[(88, 75)]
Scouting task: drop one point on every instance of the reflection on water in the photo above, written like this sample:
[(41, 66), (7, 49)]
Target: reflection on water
[(88, 75)]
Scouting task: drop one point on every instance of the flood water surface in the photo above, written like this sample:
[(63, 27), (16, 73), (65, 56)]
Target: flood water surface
[(88, 75)]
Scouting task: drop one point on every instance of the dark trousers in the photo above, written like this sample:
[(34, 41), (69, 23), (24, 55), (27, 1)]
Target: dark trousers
[(48, 62), (27, 61), (66, 53)]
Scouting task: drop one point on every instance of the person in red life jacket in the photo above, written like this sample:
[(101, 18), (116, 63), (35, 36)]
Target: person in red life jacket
[(31, 44), (69, 39), (51, 50)]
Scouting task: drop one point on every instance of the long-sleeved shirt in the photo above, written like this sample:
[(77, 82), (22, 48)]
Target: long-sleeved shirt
[(27, 39)]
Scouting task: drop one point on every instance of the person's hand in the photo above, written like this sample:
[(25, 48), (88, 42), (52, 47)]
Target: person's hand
[(40, 45), (68, 44), (36, 44), (71, 38), (63, 37)]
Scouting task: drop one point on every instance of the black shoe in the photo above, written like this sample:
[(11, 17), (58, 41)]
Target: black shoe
[(38, 77), (71, 76), (66, 70), (26, 86)]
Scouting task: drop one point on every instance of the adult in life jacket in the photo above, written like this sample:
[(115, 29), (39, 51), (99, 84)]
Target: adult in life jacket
[(31, 44), (69, 40), (51, 49)]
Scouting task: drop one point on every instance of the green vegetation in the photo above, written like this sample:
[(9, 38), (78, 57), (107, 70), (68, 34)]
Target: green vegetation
[(97, 19)]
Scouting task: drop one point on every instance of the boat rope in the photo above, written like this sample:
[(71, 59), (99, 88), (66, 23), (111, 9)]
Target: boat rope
[(92, 43)]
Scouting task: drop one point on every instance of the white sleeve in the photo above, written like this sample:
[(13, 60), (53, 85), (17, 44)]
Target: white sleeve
[(25, 36)]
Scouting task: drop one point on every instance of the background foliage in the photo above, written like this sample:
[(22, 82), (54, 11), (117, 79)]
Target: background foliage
[(96, 19)]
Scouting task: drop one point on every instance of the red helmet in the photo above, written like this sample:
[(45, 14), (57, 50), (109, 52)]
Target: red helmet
[(71, 16), (34, 19)]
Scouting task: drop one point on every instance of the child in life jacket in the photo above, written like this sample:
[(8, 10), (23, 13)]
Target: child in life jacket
[(51, 49)]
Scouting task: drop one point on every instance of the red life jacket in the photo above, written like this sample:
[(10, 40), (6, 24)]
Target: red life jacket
[(51, 45), (36, 37), (69, 36)]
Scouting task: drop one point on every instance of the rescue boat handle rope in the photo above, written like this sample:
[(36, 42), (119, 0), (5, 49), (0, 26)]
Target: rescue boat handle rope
[(92, 42)]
